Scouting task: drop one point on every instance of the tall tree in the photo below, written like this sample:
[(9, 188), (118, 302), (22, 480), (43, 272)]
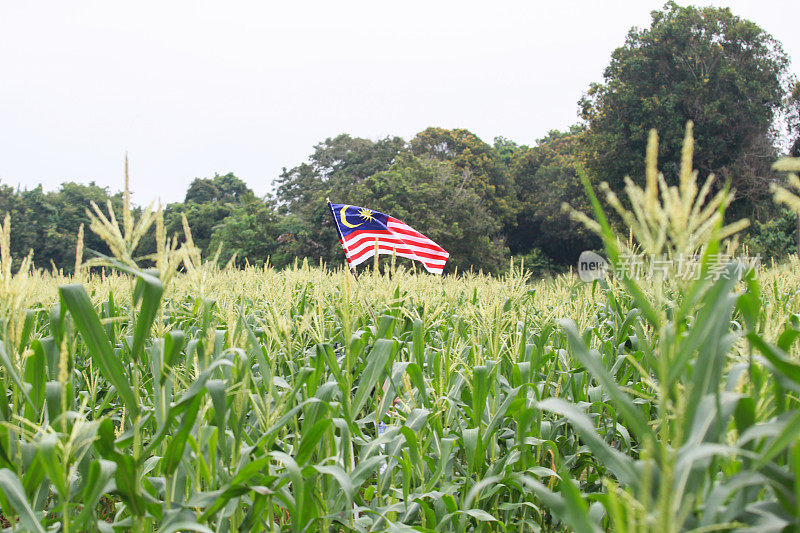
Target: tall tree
[(479, 165), (793, 111), (443, 182), (335, 164), (549, 175), (251, 232), (333, 170), (702, 64), (430, 195), (70, 202), (208, 202), (223, 189), (47, 222)]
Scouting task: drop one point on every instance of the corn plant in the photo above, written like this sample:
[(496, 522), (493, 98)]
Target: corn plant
[(189, 397)]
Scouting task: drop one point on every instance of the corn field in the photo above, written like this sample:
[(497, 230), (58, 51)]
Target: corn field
[(189, 397)]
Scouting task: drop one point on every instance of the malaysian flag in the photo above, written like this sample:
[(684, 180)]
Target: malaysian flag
[(361, 230)]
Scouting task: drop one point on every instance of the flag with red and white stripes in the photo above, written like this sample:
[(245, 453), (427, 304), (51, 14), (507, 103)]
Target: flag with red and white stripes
[(363, 231)]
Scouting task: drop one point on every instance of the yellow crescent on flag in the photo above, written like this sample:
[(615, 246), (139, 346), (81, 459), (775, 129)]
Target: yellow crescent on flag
[(344, 218)]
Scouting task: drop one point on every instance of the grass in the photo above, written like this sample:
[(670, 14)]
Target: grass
[(199, 398)]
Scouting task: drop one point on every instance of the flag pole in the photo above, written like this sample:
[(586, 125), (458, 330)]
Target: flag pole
[(351, 268)]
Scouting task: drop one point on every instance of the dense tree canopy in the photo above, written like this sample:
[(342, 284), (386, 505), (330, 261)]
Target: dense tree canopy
[(479, 165), (702, 64), (252, 233), (208, 202), (331, 171), (444, 183), (793, 112), (225, 189), (431, 195), (549, 176), (47, 223)]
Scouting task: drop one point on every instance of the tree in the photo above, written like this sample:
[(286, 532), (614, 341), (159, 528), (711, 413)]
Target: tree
[(252, 231), (430, 195), (479, 165), (447, 183), (70, 203), (334, 169), (725, 74), (507, 150), (548, 176), (47, 222), (337, 163), (208, 202), (793, 110), (223, 189), (203, 219), (35, 228), (775, 238)]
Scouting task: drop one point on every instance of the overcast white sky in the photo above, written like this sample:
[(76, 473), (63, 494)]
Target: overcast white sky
[(193, 88)]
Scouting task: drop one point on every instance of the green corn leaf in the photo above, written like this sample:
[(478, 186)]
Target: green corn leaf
[(177, 445), (236, 487), (713, 321), (101, 472), (173, 344), (36, 375), (788, 436), (148, 290), (475, 491), (12, 372), (577, 512), (479, 514), (47, 450), (216, 389), (184, 402), (415, 373), (474, 449), (480, 391), (311, 440), (622, 402), (125, 475), (716, 512), (418, 344), (341, 477), (151, 290), (377, 360), (616, 461), (76, 300), (784, 367), (15, 494), (326, 352), (51, 353), (52, 394), (499, 416), (182, 520), (27, 329)]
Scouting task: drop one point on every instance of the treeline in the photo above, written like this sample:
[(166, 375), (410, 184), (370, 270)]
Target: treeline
[(487, 202), (459, 190)]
